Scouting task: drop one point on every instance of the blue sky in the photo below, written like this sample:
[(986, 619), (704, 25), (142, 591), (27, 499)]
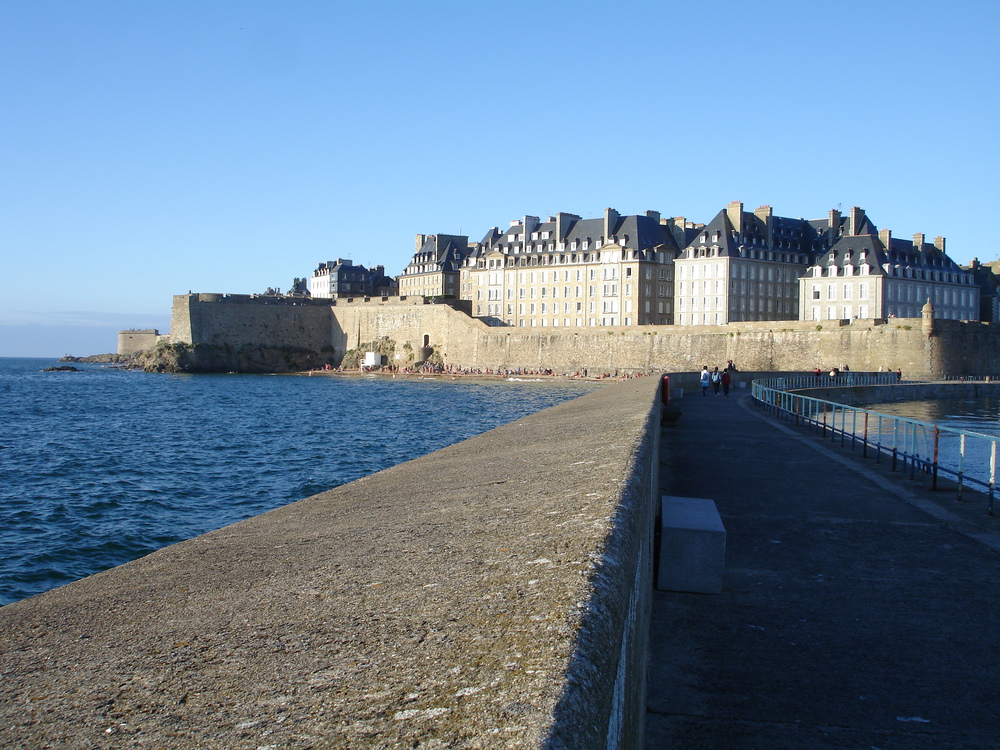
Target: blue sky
[(152, 148)]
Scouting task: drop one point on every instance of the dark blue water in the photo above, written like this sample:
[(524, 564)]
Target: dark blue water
[(972, 416), (103, 466), (967, 414)]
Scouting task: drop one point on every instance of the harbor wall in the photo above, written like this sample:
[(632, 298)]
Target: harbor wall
[(922, 349), (493, 594)]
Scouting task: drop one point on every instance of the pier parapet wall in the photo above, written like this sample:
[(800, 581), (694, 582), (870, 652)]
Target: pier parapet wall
[(492, 594)]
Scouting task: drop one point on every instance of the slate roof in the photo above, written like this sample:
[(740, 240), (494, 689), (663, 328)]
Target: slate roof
[(446, 251), (855, 251), (788, 235), (641, 233)]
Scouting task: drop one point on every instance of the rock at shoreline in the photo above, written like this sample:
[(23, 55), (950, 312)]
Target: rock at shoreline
[(62, 368), (207, 358), (113, 359)]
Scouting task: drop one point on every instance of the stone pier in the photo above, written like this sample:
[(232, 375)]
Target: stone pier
[(493, 594)]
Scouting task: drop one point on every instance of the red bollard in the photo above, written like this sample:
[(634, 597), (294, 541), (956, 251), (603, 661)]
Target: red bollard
[(665, 390)]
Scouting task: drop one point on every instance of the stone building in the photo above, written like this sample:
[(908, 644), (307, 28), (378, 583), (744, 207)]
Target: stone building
[(435, 267), (571, 272), (986, 278), (344, 279), (869, 274), (745, 266)]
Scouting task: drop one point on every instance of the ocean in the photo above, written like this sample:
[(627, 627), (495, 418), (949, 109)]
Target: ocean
[(102, 466), (968, 414)]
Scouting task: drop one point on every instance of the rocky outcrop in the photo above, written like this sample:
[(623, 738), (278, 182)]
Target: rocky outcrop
[(206, 358), (102, 359)]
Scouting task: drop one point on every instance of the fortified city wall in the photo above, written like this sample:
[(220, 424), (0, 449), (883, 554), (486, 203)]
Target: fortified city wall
[(137, 340), (238, 320), (921, 348)]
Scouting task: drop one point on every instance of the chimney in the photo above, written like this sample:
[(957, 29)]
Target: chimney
[(654, 215), (918, 241), (885, 237), (939, 243), (610, 222), (764, 213), (854, 223), (420, 242), (676, 226), (834, 221), (735, 212), (563, 223), (530, 222)]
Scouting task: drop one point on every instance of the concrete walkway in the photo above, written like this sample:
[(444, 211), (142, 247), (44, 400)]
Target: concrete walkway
[(859, 609)]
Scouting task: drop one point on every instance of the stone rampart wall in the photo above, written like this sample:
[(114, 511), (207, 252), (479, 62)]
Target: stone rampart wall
[(794, 347), (135, 341), (493, 594), (953, 347), (244, 321)]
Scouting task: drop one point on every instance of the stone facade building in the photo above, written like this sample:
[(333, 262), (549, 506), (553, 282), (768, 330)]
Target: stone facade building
[(869, 274), (570, 272), (986, 278), (344, 279), (743, 266), (435, 267)]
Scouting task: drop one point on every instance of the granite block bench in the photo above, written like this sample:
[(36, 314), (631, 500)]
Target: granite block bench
[(692, 546)]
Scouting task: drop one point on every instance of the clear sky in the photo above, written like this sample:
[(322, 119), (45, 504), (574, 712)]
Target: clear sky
[(152, 148)]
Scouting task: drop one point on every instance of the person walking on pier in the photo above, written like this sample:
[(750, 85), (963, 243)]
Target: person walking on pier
[(726, 381), (716, 380), (705, 377)]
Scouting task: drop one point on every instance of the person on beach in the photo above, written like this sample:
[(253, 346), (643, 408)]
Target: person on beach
[(705, 378), (716, 380), (726, 381)]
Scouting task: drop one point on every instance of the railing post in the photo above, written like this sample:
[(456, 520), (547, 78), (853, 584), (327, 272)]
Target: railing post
[(993, 476), (864, 444), (961, 464), (934, 468)]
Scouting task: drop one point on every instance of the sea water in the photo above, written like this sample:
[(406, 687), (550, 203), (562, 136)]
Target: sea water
[(102, 466), (980, 415)]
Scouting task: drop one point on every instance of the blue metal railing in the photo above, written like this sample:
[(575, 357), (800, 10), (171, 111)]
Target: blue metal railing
[(794, 382), (917, 447)]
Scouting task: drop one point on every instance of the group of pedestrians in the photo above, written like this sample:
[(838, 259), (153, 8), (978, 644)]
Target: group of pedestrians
[(717, 380)]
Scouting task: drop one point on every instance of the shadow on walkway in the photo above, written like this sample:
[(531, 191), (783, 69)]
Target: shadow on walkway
[(859, 609)]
